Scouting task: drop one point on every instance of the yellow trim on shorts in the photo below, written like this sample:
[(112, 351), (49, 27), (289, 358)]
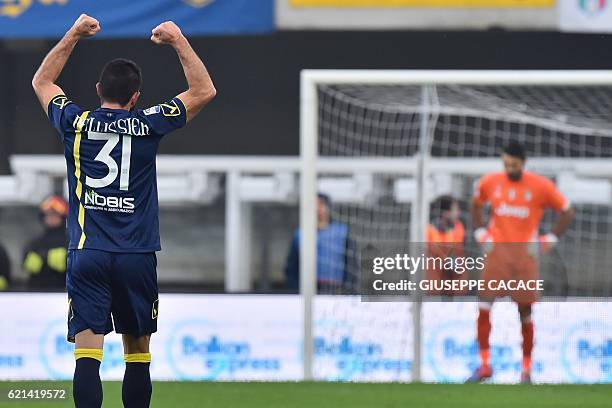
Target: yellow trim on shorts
[(96, 354), (137, 358), (77, 172)]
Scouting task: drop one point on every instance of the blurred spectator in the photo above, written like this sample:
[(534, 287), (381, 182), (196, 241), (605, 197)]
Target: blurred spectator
[(445, 237), (45, 256), (5, 269), (335, 254), (445, 224)]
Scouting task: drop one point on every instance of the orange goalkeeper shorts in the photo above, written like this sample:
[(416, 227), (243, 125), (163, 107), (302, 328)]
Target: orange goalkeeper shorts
[(506, 264)]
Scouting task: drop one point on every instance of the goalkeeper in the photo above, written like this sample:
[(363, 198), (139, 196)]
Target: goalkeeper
[(113, 212), (518, 199)]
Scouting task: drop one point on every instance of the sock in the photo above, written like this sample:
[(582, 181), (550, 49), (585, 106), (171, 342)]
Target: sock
[(137, 387), (527, 331), (483, 330), (485, 358), (86, 385)]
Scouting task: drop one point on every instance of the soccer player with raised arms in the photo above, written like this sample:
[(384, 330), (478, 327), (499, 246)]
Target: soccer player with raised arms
[(113, 217), (518, 199)]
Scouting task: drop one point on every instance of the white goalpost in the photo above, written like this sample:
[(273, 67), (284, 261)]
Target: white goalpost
[(384, 144)]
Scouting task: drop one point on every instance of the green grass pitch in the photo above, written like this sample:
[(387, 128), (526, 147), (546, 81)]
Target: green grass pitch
[(339, 395)]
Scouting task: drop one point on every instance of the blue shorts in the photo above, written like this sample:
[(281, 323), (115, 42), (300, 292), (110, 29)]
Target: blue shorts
[(106, 287)]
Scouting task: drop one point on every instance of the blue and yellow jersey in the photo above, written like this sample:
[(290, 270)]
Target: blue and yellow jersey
[(110, 158)]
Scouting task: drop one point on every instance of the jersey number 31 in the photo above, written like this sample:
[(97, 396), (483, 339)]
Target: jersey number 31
[(112, 139)]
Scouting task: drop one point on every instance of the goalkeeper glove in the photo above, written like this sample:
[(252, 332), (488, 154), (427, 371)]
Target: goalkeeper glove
[(484, 238), (547, 242)]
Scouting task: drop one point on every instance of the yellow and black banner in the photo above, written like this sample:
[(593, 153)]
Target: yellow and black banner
[(423, 3)]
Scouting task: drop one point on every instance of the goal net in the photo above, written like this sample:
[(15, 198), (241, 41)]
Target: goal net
[(382, 146)]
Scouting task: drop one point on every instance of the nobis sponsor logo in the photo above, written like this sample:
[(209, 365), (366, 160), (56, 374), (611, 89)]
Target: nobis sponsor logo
[(95, 201)]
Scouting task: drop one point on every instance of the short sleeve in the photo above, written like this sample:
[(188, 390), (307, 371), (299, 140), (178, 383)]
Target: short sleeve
[(166, 117), (62, 113), (553, 198), (481, 193)]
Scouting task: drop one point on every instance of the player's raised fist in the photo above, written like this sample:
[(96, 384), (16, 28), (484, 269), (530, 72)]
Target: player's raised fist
[(85, 26), (166, 33)]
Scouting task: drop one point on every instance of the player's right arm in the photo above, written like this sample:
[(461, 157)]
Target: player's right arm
[(44, 80), (476, 212), (481, 196), (201, 89)]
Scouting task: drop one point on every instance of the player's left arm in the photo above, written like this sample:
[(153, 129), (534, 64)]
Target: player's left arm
[(557, 201), (563, 222), (44, 81), (201, 88)]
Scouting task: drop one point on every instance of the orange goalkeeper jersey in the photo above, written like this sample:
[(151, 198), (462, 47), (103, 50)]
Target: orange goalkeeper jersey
[(517, 206)]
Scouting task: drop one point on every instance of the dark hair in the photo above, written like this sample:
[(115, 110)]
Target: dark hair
[(119, 80), (325, 198), (515, 149), (442, 203)]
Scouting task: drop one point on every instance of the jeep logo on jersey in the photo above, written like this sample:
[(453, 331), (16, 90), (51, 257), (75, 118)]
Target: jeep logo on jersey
[(95, 201), (518, 211)]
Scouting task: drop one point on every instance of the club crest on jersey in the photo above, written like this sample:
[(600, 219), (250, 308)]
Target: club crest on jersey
[(497, 192), (512, 194), (528, 195), (70, 310), (61, 101), (170, 109), (155, 309)]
